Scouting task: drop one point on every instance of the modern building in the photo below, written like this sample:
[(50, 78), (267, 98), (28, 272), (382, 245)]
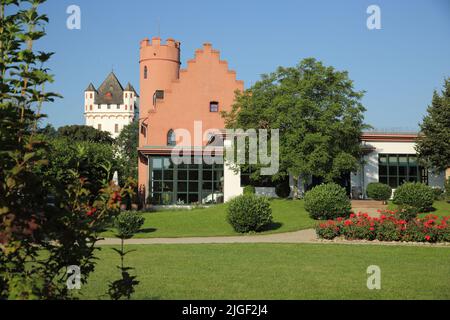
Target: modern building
[(111, 107), (191, 99), (390, 158)]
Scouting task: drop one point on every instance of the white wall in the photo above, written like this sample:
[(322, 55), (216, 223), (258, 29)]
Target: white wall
[(108, 118), (232, 183), (370, 170)]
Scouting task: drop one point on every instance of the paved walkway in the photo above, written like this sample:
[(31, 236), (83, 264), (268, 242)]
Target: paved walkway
[(303, 236)]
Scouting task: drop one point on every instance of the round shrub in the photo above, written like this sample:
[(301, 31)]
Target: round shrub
[(327, 201), (249, 190), (283, 190), (415, 196), (379, 191), (128, 224), (249, 213)]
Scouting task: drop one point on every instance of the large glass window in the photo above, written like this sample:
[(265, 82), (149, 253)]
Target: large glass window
[(396, 169), (185, 183)]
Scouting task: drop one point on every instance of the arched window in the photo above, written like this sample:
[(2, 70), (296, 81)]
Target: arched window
[(171, 138), (145, 72)]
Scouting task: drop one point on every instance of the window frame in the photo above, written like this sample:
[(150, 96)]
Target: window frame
[(214, 103)]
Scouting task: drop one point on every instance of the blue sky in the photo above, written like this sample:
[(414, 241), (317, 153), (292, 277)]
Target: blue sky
[(398, 66)]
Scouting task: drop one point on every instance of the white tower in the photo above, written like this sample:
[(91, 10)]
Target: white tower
[(110, 108)]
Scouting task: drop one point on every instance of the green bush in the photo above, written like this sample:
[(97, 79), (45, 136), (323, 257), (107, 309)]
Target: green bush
[(283, 190), (407, 212), (327, 201), (249, 213), (379, 191), (128, 224), (447, 189), (438, 193), (249, 190), (414, 196)]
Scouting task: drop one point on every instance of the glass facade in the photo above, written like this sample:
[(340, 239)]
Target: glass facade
[(396, 169), (185, 183)]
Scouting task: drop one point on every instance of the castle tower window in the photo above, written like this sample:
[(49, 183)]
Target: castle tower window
[(145, 72), (171, 138), (118, 106), (90, 107), (116, 128), (91, 95), (213, 106), (126, 107), (126, 95), (99, 127)]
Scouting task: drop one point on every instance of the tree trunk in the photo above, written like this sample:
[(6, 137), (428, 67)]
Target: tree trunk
[(295, 188)]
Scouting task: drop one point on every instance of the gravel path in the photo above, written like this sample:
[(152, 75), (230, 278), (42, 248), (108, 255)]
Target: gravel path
[(303, 236)]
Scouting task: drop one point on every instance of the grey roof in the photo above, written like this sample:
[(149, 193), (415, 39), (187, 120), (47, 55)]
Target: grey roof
[(129, 87), (90, 88), (110, 92)]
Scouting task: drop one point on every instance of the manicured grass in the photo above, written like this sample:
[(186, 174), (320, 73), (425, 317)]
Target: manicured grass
[(288, 215), (277, 271), (442, 208)]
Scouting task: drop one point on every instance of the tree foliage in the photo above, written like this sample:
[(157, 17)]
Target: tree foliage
[(318, 113), (45, 225), (85, 133), (127, 144), (433, 145)]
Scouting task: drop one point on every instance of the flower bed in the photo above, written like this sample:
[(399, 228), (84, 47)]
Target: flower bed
[(388, 227)]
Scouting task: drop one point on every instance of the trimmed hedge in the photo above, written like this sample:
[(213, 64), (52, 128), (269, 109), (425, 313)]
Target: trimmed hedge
[(249, 213), (414, 196), (379, 191), (327, 201)]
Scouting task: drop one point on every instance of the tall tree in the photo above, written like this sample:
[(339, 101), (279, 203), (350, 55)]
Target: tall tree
[(433, 145), (127, 143), (318, 113)]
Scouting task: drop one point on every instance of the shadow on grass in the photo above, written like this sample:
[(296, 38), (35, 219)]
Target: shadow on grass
[(271, 227), (147, 230)]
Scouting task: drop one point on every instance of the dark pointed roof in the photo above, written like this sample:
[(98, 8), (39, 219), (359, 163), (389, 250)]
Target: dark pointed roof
[(90, 88), (111, 91), (130, 88)]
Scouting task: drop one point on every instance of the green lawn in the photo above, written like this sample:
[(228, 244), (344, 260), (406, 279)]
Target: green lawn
[(277, 271), (442, 208), (288, 215)]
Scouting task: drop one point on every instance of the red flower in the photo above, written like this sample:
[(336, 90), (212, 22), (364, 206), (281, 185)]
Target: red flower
[(372, 228), (427, 237), (348, 222), (116, 197), (91, 212), (352, 215)]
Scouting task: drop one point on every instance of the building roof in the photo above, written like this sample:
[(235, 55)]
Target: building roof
[(110, 92), (389, 137), (90, 88), (129, 87)]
